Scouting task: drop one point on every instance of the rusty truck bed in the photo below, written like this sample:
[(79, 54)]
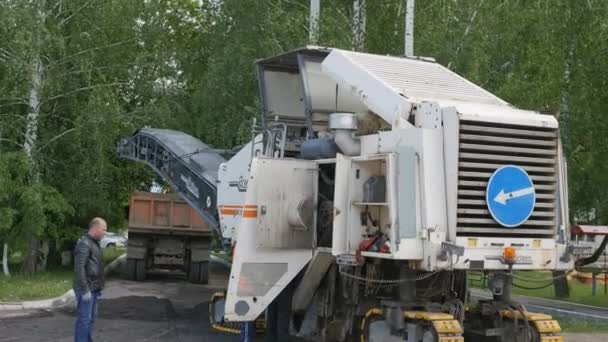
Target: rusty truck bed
[(164, 214)]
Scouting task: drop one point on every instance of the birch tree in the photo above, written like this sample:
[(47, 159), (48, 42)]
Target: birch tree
[(77, 75), (66, 72), (36, 78)]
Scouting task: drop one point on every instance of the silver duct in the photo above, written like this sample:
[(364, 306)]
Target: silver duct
[(344, 126)]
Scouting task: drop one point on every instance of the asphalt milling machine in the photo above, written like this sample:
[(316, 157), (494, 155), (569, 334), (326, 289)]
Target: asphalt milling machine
[(370, 187)]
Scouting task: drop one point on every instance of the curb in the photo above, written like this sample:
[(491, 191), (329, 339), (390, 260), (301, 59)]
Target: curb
[(488, 294), (544, 305), (220, 261), (67, 298), (115, 264)]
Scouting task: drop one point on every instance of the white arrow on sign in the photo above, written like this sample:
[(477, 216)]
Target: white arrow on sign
[(503, 197)]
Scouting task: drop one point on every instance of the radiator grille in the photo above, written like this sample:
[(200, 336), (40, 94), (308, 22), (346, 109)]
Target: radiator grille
[(483, 148)]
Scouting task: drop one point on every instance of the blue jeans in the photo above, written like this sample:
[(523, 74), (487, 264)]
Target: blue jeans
[(247, 332), (86, 310)]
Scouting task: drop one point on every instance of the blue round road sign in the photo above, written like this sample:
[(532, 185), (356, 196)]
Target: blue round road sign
[(510, 196)]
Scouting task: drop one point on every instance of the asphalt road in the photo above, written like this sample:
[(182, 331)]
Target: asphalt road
[(163, 308)]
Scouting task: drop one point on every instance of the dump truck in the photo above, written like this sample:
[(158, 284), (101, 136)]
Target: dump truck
[(166, 233), (370, 188)]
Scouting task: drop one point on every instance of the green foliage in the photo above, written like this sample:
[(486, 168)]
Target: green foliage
[(13, 167), (572, 325), (8, 182), (110, 254), (225, 95), (48, 284), (580, 292), (28, 208), (111, 67), (42, 285)]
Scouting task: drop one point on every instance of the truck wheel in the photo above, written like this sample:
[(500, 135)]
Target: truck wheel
[(194, 272), (136, 269), (204, 273), (131, 269), (140, 270), (278, 316), (199, 272)]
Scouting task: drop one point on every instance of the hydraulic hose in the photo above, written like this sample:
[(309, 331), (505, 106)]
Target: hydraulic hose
[(532, 288), (593, 258)]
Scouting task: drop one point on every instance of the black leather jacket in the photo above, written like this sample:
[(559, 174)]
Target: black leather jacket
[(88, 265)]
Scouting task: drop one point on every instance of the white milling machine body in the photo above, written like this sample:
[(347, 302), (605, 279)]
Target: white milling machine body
[(376, 181)]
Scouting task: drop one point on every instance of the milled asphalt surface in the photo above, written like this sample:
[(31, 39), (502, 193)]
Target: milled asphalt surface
[(163, 308)]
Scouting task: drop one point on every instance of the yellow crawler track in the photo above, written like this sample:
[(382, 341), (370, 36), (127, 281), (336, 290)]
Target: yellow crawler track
[(548, 329), (445, 326), (230, 327)]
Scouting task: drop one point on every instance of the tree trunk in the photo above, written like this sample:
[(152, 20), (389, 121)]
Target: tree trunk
[(44, 255), (409, 28), (359, 22), (313, 31), (564, 111), (31, 131), (54, 258), (30, 263), (5, 269)]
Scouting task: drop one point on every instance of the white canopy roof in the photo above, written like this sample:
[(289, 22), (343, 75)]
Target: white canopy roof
[(390, 85)]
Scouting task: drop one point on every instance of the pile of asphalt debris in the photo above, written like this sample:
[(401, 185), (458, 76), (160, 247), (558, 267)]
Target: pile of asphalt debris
[(140, 308)]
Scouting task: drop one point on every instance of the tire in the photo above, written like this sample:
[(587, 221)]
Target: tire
[(136, 269), (140, 270), (132, 269), (279, 316), (199, 272), (194, 273), (355, 334), (204, 273), (111, 245)]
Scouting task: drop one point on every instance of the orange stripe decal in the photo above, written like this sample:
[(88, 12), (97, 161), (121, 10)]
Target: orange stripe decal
[(246, 211), (250, 214), (249, 206)]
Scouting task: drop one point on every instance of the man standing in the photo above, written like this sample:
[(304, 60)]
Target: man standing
[(88, 278)]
